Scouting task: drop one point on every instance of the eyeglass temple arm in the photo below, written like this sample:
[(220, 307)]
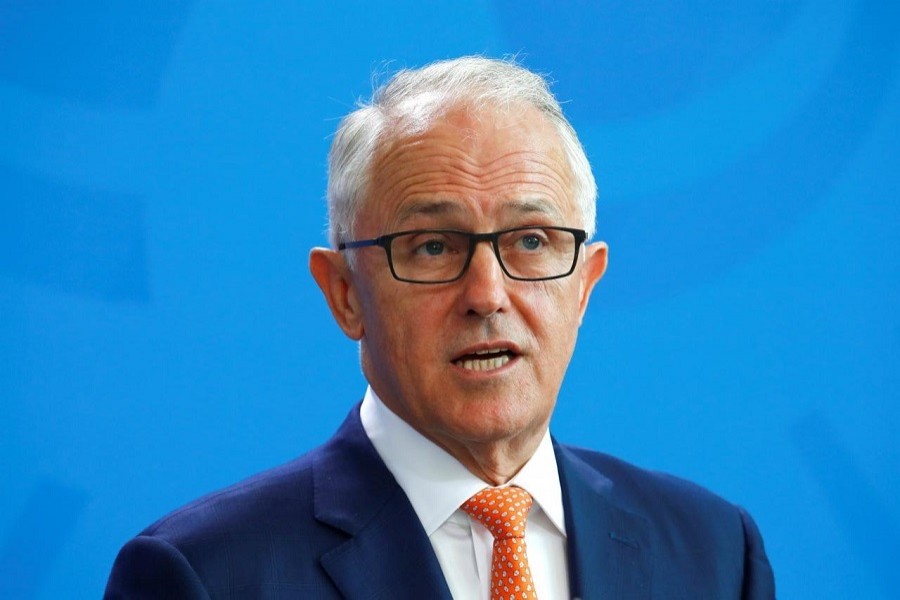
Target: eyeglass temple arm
[(359, 244)]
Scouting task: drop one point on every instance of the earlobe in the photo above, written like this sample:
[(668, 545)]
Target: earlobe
[(332, 275), (594, 268)]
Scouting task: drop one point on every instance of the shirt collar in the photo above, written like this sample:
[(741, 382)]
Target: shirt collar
[(436, 483)]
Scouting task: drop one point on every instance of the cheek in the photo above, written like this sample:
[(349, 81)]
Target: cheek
[(553, 320), (554, 307), (401, 326), (380, 321)]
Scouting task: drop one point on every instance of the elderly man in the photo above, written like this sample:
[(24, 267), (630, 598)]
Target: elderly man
[(460, 204)]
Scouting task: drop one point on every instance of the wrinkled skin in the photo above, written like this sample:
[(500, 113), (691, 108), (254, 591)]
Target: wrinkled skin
[(477, 171)]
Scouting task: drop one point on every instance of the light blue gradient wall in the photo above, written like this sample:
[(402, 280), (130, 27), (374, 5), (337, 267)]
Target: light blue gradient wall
[(162, 172)]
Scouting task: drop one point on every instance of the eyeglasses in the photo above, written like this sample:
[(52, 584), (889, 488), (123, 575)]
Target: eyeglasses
[(443, 255)]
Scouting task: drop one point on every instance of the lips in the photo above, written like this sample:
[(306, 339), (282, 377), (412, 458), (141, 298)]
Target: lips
[(486, 358)]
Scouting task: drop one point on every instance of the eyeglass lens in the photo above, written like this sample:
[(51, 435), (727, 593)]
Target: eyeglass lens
[(532, 253)]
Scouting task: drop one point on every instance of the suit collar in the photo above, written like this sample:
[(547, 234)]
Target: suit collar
[(608, 545), (388, 554)]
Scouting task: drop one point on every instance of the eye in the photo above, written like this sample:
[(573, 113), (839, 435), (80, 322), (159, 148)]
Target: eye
[(432, 248), (429, 244), (531, 242)]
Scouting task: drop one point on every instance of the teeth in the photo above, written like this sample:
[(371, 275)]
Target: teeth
[(493, 351), (485, 364)]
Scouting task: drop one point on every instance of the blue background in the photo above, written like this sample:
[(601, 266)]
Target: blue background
[(162, 173)]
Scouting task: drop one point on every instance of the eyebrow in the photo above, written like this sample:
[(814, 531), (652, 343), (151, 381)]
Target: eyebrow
[(428, 207), (531, 206), (448, 207)]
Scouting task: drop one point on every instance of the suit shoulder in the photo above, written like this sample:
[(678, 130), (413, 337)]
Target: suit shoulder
[(243, 537), (243, 506), (692, 527), (655, 492), (700, 541)]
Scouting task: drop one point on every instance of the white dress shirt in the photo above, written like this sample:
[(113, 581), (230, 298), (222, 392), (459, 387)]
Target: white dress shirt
[(437, 485)]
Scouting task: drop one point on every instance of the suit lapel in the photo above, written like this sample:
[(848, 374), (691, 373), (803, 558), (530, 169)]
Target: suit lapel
[(608, 545), (388, 554)]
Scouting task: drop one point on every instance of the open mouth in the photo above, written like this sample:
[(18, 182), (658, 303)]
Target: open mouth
[(485, 360)]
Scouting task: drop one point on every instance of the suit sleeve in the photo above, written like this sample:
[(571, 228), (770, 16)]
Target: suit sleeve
[(150, 568), (759, 581)]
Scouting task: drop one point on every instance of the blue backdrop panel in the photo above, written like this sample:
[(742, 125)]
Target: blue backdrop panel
[(162, 173)]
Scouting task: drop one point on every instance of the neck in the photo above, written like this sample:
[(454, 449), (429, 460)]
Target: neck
[(495, 462)]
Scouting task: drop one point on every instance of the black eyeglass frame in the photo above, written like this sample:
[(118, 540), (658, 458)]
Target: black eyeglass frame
[(384, 241)]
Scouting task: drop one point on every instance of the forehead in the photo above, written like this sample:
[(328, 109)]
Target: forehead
[(465, 163)]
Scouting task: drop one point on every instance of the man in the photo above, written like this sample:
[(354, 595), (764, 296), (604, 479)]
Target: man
[(460, 202)]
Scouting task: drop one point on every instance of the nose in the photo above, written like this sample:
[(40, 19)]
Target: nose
[(484, 284)]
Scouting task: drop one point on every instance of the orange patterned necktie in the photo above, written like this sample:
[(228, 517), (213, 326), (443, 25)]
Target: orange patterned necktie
[(504, 511)]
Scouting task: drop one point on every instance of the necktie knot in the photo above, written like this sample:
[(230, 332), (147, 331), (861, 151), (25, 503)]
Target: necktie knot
[(503, 511)]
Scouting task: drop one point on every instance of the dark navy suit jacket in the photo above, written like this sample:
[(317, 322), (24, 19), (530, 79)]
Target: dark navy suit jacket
[(335, 524)]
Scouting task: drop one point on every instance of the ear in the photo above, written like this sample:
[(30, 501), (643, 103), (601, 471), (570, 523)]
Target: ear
[(594, 268), (329, 269)]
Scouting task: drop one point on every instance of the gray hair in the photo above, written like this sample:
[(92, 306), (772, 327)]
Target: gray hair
[(472, 79)]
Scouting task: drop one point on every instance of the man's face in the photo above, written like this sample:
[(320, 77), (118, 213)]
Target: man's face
[(421, 343)]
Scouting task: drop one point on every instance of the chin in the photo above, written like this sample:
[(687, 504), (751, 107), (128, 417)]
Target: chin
[(495, 423)]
